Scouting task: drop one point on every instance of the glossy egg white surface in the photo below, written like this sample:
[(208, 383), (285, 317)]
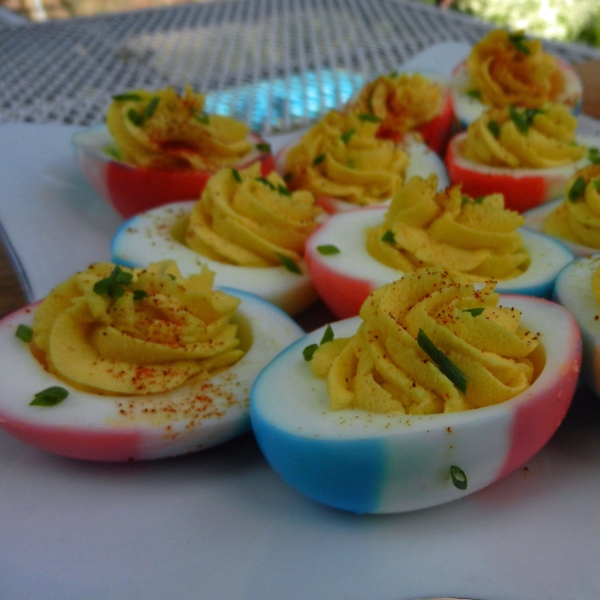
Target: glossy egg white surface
[(104, 428), (147, 238), (374, 463), (574, 291), (468, 109), (534, 219), (422, 161), (345, 279)]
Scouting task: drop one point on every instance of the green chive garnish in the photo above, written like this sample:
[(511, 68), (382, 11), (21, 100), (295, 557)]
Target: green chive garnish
[(393, 74), (24, 333), (326, 249), (459, 479), (518, 119), (127, 97), (445, 365), (289, 264), (494, 128), (476, 94), (327, 336), (203, 118), (283, 190), (113, 285), (288, 177), (236, 175), (594, 156), (518, 41), (474, 311), (266, 182), (263, 147), (596, 183), (369, 118), (50, 396), (318, 160), (135, 117), (347, 135), (577, 189), (139, 294), (309, 352), (388, 237), (151, 107)]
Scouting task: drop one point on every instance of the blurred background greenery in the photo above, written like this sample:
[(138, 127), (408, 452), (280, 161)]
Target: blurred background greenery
[(563, 20)]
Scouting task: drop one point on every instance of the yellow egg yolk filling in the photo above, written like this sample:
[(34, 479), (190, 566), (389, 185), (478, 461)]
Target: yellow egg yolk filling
[(424, 227), (342, 157), (577, 218), (245, 219), (519, 139), (508, 69), (163, 130), (430, 342), (400, 103), (115, 331)]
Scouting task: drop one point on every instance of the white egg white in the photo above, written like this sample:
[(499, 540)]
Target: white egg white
[(422, 161), (534, 219), (573, 290), (382, 463), (347, 231), (264, 329), (147, 238)]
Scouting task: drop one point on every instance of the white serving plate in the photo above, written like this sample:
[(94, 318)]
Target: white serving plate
[(220, 525)]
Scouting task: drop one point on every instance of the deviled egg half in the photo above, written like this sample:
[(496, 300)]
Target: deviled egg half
[(354, 253), (160, 147), (506, 68), (121, 365), (395, 411), (343, 162), (249, 229), (526, 155), (578, 290)]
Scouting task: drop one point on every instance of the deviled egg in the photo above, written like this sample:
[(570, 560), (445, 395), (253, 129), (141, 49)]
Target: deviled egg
[(402, 415), (355, 252), (159, 147), (250, 230), (120, 365)]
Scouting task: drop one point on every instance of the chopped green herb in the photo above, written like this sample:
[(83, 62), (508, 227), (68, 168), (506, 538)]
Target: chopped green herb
[(151, 107), (465, 200), (266, 182), (113, 152), (523, 120), (139, 294), (388, 237), (393, 74), (50, 396), (263, 147), (494, 128), (369, 118), (596, 183), (474, 311), (173, 278), (283, 190), (594, 156), (577, 189), (309, 352), (459, 479), (479, 200), (135, 117), (518, 41), (127, 97), (328, 249), (446, 366), (327, 336), (318, 160), (203, 118), (236, 175), (476, 94), (288, 177), (24, 333), (347, 135), (289, 264), (113, 285)]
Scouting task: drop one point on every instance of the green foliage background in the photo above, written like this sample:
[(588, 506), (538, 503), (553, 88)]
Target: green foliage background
[(564, 20)]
